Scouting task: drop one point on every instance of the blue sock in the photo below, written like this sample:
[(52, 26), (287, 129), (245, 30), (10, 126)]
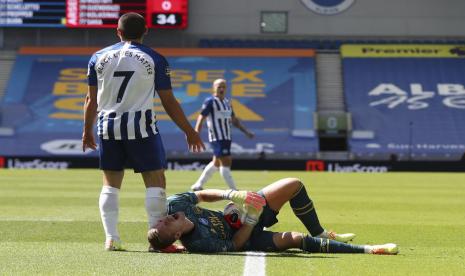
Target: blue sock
[(303, 208), (318, 245)]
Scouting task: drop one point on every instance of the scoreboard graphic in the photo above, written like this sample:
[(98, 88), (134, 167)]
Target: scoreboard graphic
[(91, 13)]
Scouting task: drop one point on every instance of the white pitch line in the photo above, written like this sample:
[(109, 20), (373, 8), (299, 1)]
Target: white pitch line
[(255, 264)]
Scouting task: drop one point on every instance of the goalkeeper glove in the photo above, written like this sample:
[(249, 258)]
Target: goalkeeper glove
[(244, 197), (252, 214)]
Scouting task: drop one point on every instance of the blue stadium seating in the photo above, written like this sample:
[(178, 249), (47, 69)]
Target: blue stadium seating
[(408, 107)]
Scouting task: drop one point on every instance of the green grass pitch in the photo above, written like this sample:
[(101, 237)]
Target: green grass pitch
[(50, 225)]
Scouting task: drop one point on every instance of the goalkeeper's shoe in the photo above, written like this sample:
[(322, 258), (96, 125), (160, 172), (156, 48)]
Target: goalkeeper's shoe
[(347, 237), (114, 245), (385, 249)]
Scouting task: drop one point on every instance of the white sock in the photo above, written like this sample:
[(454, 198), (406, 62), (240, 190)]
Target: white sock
[(368, 249), (207, 173), (226, 174), (109, 206), (155, 204)]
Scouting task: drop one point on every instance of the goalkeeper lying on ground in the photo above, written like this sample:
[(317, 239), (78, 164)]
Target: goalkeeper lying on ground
[(204, 230)]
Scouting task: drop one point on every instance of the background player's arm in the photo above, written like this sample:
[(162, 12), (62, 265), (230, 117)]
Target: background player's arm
[(90, 113), (199, 122), (174, 110), (207, 109), (237, 123)]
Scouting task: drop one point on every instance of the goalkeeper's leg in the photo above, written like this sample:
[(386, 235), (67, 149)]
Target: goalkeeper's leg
[(292, 190), (304, 209), (288, 240)]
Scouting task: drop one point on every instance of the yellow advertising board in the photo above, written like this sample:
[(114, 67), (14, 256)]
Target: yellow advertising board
[(402, 50)]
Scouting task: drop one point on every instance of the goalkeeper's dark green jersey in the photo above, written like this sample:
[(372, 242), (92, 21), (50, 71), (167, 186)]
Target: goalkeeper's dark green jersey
[(211, 232)]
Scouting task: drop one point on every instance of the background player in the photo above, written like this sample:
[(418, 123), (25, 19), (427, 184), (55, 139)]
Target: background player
[(203, 230), (122, 81), (218, 112)]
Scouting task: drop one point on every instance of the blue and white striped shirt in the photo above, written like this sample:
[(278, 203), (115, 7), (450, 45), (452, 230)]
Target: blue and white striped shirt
[(127, 75), (219, 114)]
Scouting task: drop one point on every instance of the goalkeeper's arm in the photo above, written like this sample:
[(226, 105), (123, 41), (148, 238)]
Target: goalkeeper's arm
[(252, 203), (210, 195), (241, 236), (253, 213), (238, 197)]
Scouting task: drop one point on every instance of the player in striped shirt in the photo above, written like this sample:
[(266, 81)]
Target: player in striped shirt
[(218, 112), (122, 81)]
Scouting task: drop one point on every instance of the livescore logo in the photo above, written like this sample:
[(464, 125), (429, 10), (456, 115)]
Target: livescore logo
[(348, 167)]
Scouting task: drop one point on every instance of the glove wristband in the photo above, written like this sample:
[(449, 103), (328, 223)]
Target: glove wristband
[(227, 194), (250, 221)]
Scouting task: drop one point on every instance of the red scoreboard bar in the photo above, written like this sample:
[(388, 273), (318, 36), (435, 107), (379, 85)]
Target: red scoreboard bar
[(167, 14), (171, 14)]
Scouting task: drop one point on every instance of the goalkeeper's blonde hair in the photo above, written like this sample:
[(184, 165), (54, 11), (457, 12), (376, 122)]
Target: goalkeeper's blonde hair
[(157, 241)]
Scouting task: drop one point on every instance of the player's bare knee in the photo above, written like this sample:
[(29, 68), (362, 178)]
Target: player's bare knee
[(288, 240), (289, 236), (293, 236), (294, 184)]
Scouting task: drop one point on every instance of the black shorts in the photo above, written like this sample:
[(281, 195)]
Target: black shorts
[(221, 148), (262, 240), (142, 155)]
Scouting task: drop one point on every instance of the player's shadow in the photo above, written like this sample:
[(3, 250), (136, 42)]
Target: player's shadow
[(285, 254)]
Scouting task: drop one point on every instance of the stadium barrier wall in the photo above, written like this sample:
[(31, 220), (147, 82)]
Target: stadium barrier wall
[(192, 164)]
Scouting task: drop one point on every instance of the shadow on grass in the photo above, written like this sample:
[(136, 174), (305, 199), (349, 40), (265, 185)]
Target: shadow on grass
[(285, 254)]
